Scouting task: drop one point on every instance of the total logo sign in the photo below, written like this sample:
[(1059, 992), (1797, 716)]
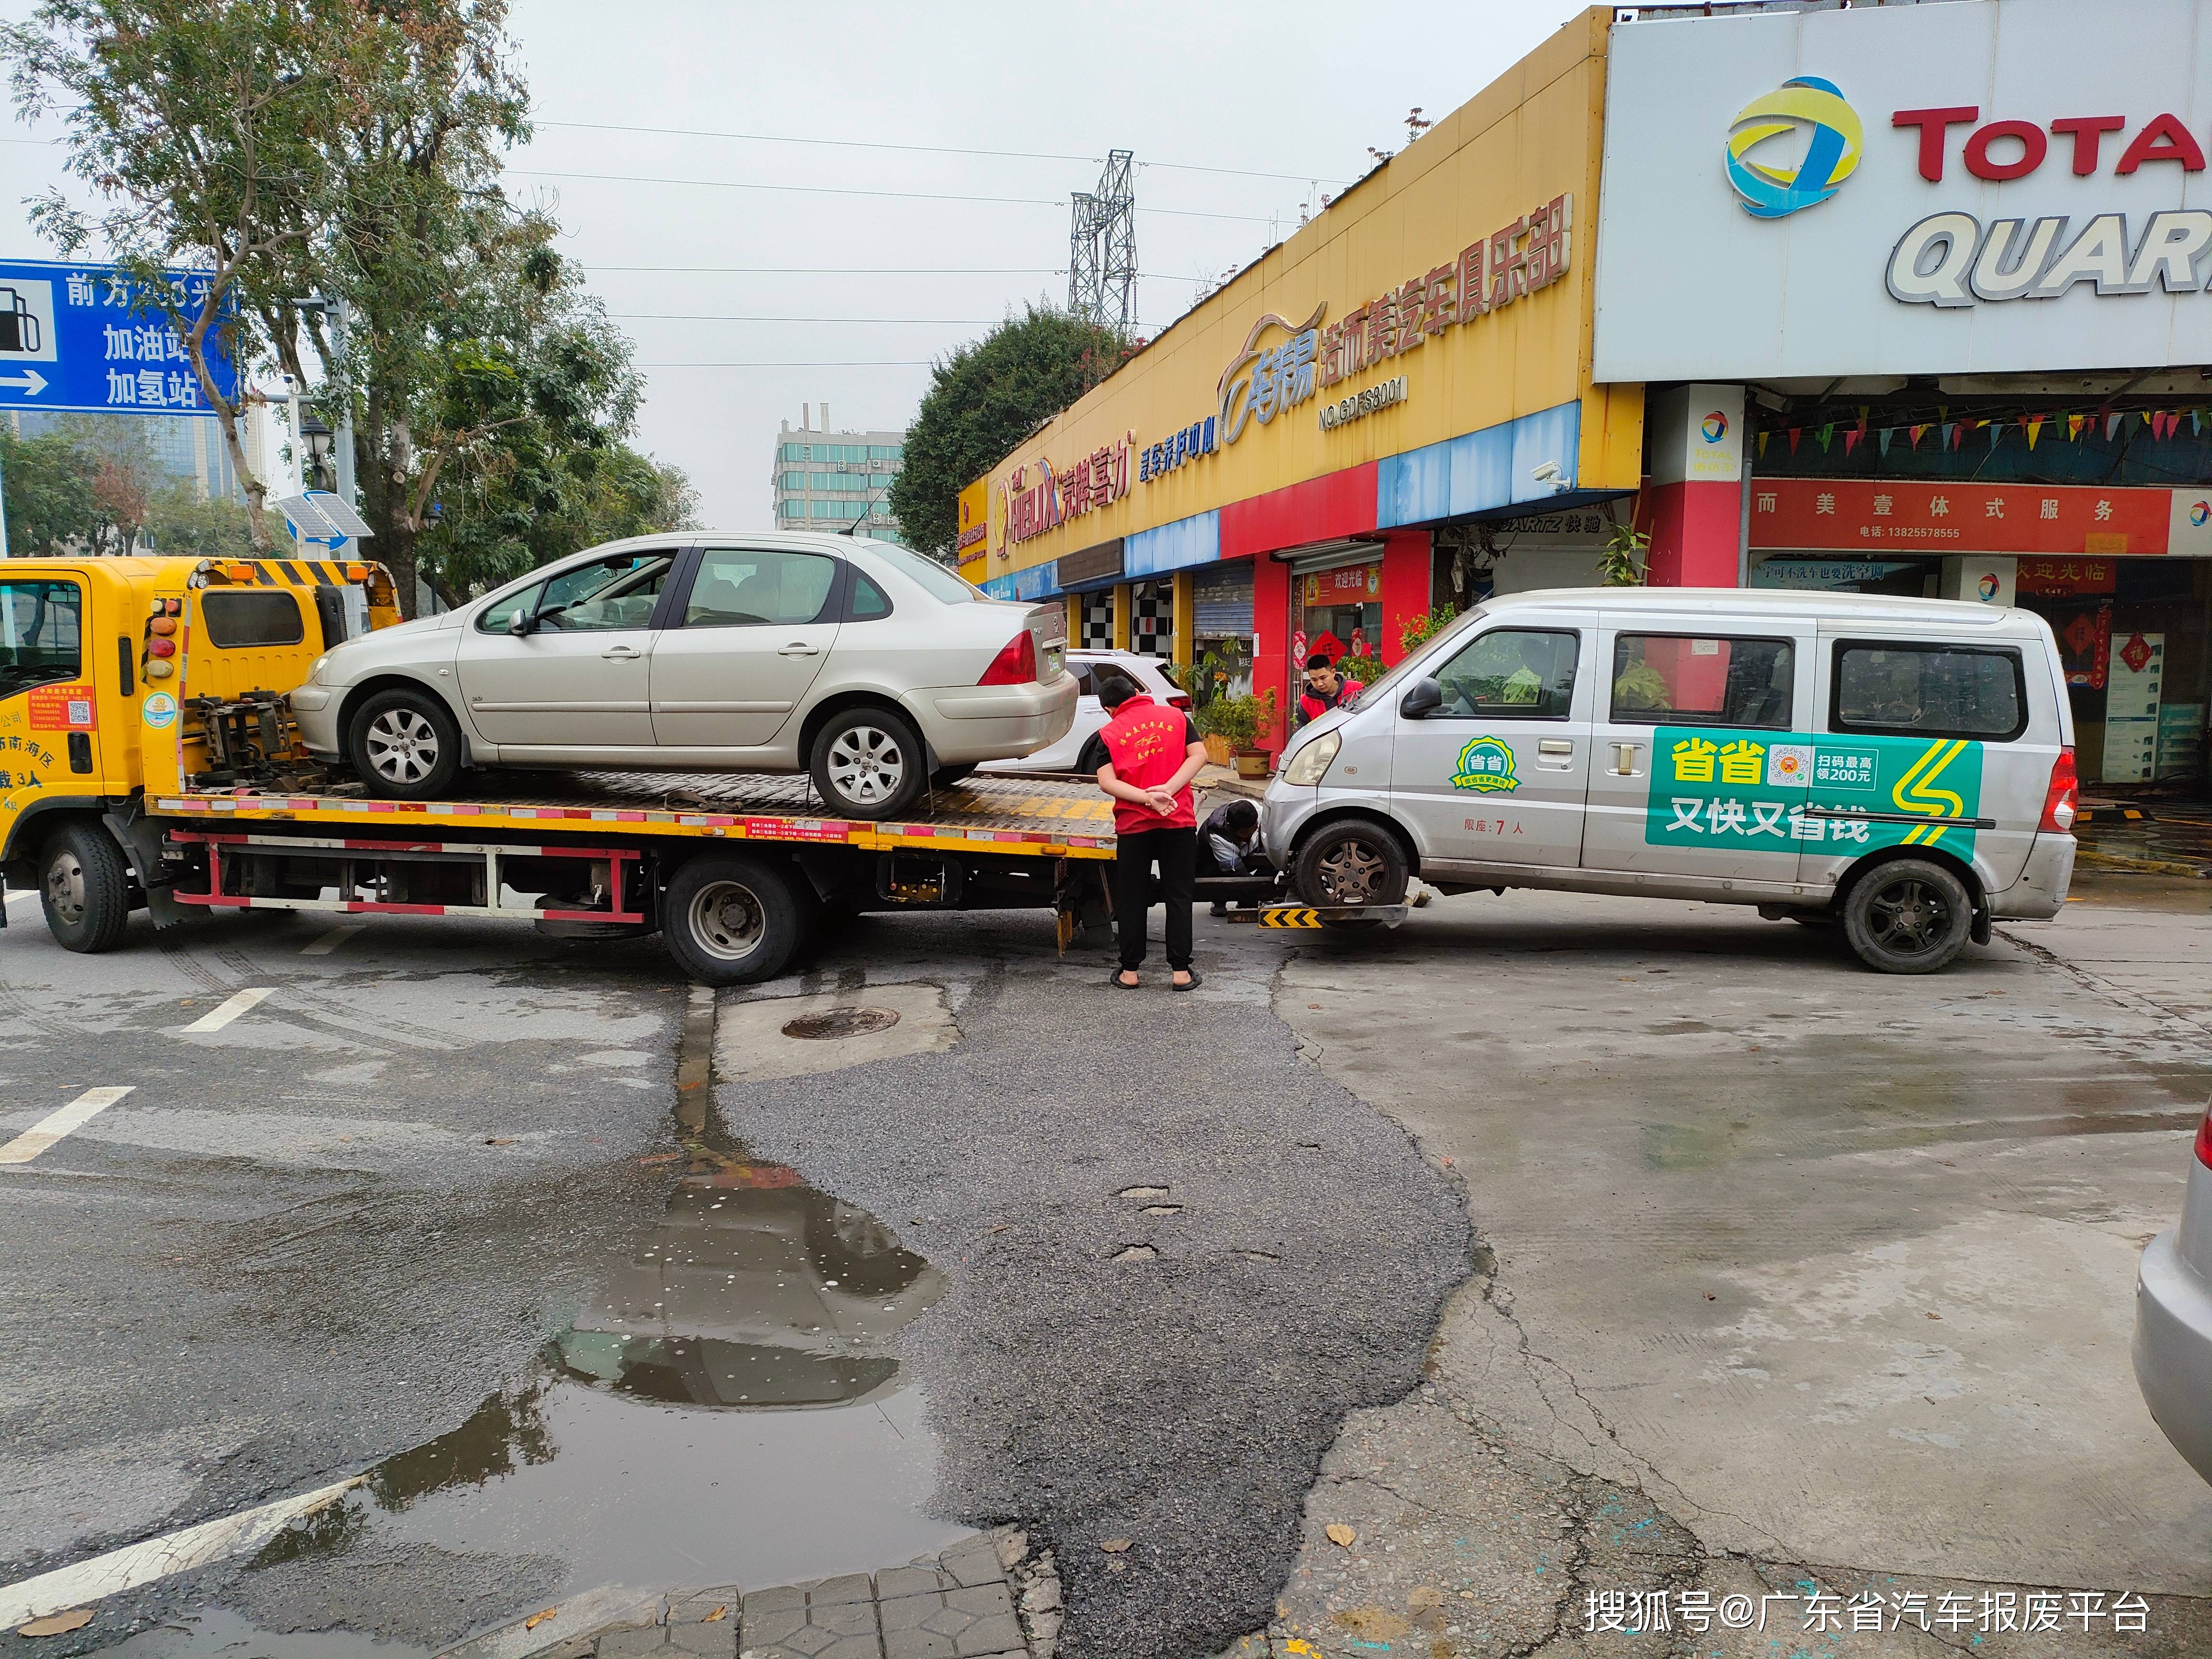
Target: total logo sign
[(1951, 258)]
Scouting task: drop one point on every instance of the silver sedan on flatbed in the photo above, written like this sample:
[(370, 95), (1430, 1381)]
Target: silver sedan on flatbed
[(876, 670)]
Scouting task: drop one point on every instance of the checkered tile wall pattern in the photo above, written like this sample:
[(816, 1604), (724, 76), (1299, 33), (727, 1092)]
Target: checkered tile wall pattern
[(1098, 621), (1152, 619)]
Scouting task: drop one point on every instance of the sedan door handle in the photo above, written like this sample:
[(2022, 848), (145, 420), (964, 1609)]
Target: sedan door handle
[(619, 653), (1556, 746), (799, 649)]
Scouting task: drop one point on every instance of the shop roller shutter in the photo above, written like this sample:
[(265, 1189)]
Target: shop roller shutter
[(1221, 601)]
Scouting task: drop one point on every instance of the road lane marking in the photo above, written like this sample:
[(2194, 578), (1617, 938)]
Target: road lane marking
[(157, 1557), (330, 941), (244, 1002), (52, 1126)]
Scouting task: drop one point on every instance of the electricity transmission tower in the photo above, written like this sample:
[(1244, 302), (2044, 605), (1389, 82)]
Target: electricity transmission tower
[(1101, 249)]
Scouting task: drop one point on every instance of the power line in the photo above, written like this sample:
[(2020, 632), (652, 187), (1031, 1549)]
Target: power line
[(863, 363), (726, 317), (879, 270), (932, 149), (828, 190)]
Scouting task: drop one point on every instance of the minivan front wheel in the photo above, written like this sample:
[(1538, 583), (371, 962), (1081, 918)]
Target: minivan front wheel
[(1349, 863), (868, 763), (1908, 916)]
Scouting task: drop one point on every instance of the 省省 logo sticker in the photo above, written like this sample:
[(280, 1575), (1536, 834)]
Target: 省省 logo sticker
[(1485, 766)]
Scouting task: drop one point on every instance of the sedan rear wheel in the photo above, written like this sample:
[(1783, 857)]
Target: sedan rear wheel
[(868, 763)]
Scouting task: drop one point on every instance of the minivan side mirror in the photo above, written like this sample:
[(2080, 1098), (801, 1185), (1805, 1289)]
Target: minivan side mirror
[(1423, 698)]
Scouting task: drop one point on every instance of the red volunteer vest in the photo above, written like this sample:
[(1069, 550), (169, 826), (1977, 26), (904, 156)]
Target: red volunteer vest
[(1146, 744)]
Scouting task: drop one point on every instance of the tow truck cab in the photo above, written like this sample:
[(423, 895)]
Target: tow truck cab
[(123, 677)]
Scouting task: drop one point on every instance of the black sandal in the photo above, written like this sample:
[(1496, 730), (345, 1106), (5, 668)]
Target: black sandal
[(1195, 979), (1121, 984)]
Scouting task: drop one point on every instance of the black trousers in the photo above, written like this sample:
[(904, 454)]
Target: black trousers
[(1177, 853)]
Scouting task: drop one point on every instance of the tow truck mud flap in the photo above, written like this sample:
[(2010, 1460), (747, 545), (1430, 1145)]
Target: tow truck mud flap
[(1321, 915)]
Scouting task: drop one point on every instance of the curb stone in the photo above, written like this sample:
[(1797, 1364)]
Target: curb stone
[(987, 1597)]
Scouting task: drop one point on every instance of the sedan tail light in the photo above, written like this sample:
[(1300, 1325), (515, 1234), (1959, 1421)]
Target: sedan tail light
[(1016, 664), (2060, 802), (2204, 1142)]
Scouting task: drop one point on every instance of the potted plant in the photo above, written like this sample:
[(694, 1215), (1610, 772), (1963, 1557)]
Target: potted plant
[(1239, 722), (1208, 681)]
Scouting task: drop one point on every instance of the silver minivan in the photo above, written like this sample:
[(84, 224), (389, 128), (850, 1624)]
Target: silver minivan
[(1903, 767)]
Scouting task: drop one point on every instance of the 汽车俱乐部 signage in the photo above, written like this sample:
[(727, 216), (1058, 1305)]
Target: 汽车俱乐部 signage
[(1884, 190), (78, 338)]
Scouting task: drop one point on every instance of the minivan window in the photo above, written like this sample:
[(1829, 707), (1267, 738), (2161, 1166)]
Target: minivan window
[(1514, 673), (1929, 691), (1668, 679)]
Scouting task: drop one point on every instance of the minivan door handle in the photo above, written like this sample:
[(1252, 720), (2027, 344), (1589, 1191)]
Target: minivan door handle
[(798, 648), (1624, 759), (1556, 746)]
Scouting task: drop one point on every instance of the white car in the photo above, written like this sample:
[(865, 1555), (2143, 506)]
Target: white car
[(2174, 1317), (873, 668), (1079, 750)]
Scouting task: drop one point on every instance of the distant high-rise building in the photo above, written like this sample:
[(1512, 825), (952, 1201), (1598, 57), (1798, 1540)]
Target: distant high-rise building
[(826, 480)]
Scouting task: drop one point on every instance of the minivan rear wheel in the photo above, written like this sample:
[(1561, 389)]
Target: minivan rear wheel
[(868, 763), (1908, 916)]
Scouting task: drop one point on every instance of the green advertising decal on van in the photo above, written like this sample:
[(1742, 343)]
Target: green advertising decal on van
[(1751, 790)]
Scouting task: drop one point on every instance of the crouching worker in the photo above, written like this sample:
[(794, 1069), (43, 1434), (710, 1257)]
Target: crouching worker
[(1228, 845), (1151, 755)]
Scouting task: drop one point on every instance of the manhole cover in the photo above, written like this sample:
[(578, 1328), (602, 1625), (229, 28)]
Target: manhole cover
[(842, 1022)]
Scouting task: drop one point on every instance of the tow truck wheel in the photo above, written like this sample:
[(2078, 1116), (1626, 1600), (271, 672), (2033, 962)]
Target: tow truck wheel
[(1349, 862), (84, 886), (1908, 916), (406, 746), (729, 919)]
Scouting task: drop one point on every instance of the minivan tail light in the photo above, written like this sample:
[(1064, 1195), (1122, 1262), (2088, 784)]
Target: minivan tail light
[(2060, 802), (1016, 664), (2204, 1140)]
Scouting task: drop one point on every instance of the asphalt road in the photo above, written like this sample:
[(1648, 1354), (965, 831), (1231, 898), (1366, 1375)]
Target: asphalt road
[(314, 1238), (1180, 1255), (336, 1236)]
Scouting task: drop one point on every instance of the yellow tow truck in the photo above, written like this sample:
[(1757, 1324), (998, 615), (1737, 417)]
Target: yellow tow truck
[(148, 760)]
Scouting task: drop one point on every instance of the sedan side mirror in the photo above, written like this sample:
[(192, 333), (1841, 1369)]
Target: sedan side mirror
[(1421, 700), (523, 625)]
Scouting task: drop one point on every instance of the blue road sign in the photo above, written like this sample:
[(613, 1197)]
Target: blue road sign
[(85, 338)]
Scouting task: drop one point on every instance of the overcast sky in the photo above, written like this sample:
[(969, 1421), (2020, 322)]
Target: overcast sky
[(1288, 88)]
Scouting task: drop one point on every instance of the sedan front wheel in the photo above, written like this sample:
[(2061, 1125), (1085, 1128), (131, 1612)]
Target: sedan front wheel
[(405, 744), (868, 763)]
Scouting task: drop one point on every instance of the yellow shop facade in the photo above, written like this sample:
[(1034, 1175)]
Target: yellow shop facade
[(1323, 450)]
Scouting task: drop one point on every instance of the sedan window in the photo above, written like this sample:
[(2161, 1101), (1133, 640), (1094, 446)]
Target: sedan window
[(934, 578), (608, 593), (750, 588)]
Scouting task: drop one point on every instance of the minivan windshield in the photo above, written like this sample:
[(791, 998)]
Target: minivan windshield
[(942, 584), (1458, 628)]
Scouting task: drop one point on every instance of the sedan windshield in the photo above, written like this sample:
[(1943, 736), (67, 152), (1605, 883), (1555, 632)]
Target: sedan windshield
[(941, 583)]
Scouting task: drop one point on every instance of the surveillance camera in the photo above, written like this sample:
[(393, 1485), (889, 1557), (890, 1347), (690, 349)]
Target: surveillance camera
[(1548, 472)]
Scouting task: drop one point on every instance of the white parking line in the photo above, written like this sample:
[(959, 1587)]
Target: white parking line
[(157, 1557), (244, 1002), (52, 1126), (23, 896), (330, 941)]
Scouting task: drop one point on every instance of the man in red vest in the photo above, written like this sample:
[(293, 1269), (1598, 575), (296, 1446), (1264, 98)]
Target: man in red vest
[(1152, 754)]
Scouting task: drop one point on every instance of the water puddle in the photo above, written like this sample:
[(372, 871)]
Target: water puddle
[(729, 1410)]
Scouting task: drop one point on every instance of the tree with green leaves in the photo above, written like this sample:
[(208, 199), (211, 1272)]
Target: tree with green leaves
[(208, 132), (982, 401), (48, 483)]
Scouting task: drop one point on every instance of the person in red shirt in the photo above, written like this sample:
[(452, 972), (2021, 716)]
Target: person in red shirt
[(1325, 688), (1152, 754)]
